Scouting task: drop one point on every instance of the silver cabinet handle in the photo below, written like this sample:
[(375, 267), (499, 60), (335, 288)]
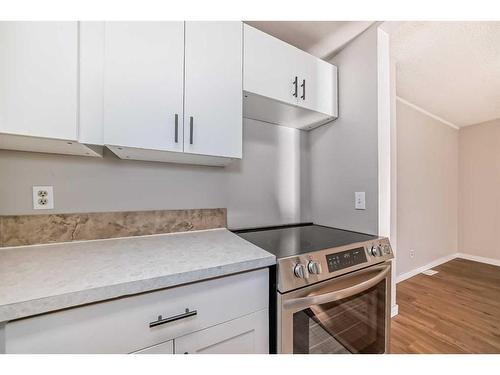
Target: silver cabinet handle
[(176, 128), (295, 88), (191, 130), (161, 320), (303, 97)]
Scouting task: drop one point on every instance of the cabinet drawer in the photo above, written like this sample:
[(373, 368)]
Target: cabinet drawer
[(123, 325), (246, 335), (163, 348)]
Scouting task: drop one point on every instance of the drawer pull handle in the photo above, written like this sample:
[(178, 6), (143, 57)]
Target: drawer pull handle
[(161, 321)]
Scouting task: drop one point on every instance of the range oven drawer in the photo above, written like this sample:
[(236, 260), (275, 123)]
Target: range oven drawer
[(346, 314)]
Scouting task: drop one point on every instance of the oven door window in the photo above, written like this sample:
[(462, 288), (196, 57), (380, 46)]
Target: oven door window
[(352, 325)]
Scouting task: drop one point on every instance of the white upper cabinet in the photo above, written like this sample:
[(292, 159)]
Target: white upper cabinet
[(284, 85), (91, 82), (318, 86), (213, 89), (39, 79), (143, 85), (271, 66), (39, 88), (172, 91)]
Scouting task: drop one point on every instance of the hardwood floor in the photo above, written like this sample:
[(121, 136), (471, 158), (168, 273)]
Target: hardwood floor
[(454, 311)]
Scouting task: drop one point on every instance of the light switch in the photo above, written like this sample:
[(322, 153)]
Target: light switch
[(359, 200)]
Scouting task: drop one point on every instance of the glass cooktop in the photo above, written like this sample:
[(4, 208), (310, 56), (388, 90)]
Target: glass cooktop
[(285, 241)]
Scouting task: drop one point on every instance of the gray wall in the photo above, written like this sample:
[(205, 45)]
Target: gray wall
[(427, 195), (285, 176), (344, 154), (479, 193), (262, 189)]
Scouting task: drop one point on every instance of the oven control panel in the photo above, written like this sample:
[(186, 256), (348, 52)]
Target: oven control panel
[(305, 269), (346, 259)]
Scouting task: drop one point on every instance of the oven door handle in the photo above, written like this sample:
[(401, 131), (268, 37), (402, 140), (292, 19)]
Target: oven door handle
[(319, 299)]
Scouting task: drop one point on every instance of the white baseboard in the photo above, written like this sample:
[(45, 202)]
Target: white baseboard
[(418, 270), (394, 310), (437, 262), (494, 262)]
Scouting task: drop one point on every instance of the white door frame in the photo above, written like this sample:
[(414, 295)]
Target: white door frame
[(387, 145)]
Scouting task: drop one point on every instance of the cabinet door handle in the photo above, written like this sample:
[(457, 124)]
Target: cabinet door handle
[(161, 320), (191, 130), (295, 90), (176, 128), (303, 97)]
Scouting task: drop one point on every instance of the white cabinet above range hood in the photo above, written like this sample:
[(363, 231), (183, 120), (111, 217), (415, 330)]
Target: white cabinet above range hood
[(286, 86)]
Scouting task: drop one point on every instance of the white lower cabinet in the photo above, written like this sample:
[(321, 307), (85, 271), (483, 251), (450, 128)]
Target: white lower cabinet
[(163, 348), (199, 317), (245, 335)]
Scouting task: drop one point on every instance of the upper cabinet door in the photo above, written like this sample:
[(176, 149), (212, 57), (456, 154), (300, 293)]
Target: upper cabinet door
[(271, 66), (38, 79), (91, 82), (143, 84), (286, 86), (213, 111), (318, 85)]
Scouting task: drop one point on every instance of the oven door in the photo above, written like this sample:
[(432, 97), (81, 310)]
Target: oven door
[(346, 314)]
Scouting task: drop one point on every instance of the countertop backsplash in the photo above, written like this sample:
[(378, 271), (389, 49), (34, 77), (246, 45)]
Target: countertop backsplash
[(22, 230)]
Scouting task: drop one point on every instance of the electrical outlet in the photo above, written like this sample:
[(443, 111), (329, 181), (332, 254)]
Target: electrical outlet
[(359, 200), (412, 254), (43, 197)]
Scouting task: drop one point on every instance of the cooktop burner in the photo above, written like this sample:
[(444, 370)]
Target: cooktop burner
[(286, 241)]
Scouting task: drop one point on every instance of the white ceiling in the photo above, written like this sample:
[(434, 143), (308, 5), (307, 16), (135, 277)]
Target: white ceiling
[(451, 69), (320, 38)]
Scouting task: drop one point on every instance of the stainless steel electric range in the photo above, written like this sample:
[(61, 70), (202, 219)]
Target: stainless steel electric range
[(330, 290)]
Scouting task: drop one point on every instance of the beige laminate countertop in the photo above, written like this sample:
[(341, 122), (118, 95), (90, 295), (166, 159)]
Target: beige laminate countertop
[(42, 278)]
